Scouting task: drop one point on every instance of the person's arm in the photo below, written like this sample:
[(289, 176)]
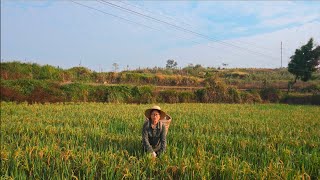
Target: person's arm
[(145, 138), (163, 140)]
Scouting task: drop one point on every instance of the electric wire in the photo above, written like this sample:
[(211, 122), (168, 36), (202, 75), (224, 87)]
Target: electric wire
[(182, 22), (144, 9), (133, 22), (184, 29)]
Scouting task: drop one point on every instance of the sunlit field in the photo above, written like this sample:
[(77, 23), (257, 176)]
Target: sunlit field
[(103, 141)]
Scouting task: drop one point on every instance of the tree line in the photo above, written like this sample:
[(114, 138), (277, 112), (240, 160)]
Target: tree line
[(35, 83)]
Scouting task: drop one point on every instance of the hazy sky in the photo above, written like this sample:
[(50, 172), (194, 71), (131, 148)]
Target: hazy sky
[(148, 33)]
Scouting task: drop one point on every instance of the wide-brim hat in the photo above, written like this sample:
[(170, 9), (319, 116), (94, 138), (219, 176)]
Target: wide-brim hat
[(147, 113)]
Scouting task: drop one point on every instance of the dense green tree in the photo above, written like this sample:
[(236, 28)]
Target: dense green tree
[(304, 62), (171, 64)]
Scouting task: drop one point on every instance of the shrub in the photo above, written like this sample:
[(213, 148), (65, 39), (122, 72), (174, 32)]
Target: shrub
[(9, 94), (186, 97), (216, 90), (41, 95), (118, 94), (98, 94), (201, 95), (270, 94), (168, 96), (76, 92), (301, 99), (313, 88), (143, 94), (250, 97), (233, 95), (25, 86)]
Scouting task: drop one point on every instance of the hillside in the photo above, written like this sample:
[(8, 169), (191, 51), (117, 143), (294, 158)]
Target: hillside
[(187, 76), (36, 83)]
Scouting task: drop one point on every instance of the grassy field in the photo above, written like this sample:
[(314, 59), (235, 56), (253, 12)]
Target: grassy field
[(205, 141)]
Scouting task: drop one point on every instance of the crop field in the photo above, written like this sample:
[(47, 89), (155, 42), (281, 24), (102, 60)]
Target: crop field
[(205, 141)]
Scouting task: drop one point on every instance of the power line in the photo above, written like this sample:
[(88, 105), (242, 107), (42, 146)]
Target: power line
[(127, 20), (124, 19), (144, 9), (183, 29), (140, 24), (182, 22)]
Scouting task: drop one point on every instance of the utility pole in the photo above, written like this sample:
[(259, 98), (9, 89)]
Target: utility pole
[(281, 54)]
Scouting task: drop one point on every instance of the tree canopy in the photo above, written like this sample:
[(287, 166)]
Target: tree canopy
[(304, 62), (171, 64)]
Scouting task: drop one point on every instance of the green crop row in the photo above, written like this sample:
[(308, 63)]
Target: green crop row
[(205, 141)]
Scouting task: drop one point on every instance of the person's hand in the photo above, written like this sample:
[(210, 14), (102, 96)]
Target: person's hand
[(153, 154)]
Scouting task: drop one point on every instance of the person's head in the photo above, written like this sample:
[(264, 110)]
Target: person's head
[(155, 114)]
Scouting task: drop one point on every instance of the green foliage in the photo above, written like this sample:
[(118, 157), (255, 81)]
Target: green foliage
[(168, 96), (48, 72), (237, 74), (118, 94), (186, 97), (76, 92), (143, 94), (81, 74), (192, 75), (233, 95), (250, 97), (304, 62), (171, 64), (195, 70), (205, 141), (201, 95), (271, 94), (217, 91), (25, 86), (298, 98), (313, 88), (31, 91), (34, 83), (17, 70)]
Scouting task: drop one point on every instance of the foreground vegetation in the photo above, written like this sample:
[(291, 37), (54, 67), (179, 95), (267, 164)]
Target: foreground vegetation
[(219, 141)]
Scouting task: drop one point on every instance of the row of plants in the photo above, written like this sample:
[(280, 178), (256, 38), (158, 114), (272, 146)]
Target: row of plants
[(216, 91), (205, 141)]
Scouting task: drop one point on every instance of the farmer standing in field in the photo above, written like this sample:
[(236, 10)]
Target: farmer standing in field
[(154, 132)]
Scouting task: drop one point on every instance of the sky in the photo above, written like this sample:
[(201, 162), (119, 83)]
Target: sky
[(140, 34)]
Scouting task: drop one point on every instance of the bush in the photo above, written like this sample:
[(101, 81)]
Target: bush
[(98, 94), (271, 94), (168, 96), (143, 94), (233, 95), (9, 94), (250, 97), (186, 97), (42, 95), (82, 74), (301, 99), (31, 91), (216, 91), (201, 95), (76, 92), (313, 88), (118, 94)]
